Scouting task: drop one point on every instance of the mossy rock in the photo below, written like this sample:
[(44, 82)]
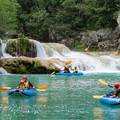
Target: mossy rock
[(24, 65), (21, 47)]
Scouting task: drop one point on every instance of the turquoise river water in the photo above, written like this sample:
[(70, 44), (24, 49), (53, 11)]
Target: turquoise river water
[(67, 98)]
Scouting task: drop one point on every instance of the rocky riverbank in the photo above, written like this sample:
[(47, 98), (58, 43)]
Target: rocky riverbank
[(99, 40), (28, 65)]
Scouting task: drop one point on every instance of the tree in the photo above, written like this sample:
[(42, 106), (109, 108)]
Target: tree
[(47, 19), (7, 16)]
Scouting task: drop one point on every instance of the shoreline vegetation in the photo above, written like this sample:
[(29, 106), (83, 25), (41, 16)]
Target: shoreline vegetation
[(90, 24)]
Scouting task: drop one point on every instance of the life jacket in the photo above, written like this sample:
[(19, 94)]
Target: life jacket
[(26, 84), (75, 71), (66, 70), (22, 87)]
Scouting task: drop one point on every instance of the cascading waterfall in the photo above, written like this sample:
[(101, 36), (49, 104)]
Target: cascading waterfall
[(118, 20), (95, 63), (3, 71), (5, 55), (1, 48), (51, 52), (87, 62), (40, 50)]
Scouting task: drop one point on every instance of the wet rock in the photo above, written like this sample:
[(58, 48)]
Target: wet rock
[(23, 65), (21, 47)]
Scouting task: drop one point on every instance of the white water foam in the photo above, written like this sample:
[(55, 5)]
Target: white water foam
[(3, 71), (5, 55), (86, 62)]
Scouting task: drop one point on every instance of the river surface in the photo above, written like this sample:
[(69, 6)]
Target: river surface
[(66, 98)]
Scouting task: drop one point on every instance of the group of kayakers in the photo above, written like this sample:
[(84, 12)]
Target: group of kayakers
[(26, 84), (66, 70)]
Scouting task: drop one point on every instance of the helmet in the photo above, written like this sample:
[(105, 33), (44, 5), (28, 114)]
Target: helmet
[(22, 82), (25, 77), (116, 85)]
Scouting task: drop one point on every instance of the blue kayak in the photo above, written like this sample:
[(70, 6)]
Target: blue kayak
[(69, 74), (110, 100), (19, 92)]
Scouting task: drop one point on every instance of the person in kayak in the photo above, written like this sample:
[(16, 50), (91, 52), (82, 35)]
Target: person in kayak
[(116, 92), (25, 83), (66, 69), (75, 70)]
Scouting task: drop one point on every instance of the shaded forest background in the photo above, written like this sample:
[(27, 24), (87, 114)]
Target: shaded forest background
[(54, 20)]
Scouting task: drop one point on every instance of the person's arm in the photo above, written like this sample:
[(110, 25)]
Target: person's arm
[(30, 84), (115, 93)]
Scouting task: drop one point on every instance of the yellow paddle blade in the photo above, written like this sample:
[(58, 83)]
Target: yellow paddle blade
[(97, 96), (43, 87), (103, 82), (4, 88), (68, 62)]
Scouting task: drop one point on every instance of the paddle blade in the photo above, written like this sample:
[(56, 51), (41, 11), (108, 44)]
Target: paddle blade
[(102, 82), (52, 73), (68, 62), (43, 87), (97, 96), (4, 88)]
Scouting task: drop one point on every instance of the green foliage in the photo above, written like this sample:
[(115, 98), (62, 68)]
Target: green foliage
[(40, 18), (7, 16)]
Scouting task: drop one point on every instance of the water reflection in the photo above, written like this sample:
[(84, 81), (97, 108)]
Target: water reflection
[(4, 99), (42, 99), (98, 113), (107, 112)]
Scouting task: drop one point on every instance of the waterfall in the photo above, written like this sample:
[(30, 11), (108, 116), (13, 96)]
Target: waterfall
[(1, 48), (5, 55), (3, 71), (40, 50), (95, 63), (87, 62), (118, 20)]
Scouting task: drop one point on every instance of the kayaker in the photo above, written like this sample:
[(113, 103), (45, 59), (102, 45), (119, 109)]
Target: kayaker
[(25, 83), (116, 92), (66, 70), (75, 70)]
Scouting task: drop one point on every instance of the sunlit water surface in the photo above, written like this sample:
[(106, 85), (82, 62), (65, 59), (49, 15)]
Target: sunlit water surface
[(66, 98)]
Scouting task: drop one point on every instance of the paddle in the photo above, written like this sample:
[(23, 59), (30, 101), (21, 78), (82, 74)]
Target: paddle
[(40, 88), (104, 83), (97, 96), (52, 73), (4, 88), (68, 62)]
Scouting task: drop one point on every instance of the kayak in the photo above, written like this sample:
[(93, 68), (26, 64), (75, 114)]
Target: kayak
[(69, 74), (18, 92), (110, 100)]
